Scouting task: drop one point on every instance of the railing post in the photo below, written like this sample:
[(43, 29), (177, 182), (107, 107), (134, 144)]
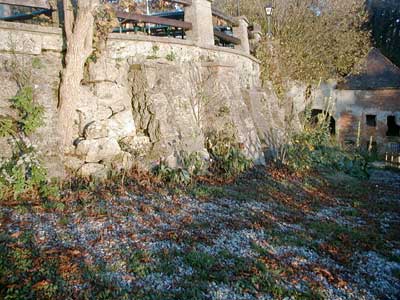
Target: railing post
[(200, 15), (56, 6), (255, 37), (256, 33), (241, 32)]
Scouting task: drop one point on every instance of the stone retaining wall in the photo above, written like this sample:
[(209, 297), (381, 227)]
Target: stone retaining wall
[(144, 98)]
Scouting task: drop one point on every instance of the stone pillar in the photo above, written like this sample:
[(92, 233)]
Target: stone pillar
[(256, 33), (200, 15), (255, 36), (241, 32)]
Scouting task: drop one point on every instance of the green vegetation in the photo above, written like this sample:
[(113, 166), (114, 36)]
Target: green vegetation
[(171, 56), (23, 170), (227, 158), (6, 127), (315, 149), (206, 192), (19, 278), (197, 263), (226, 162), (105, 21), (154, 52), (299, 49), (37, 63), (30, 113), (339, 235), (179, 176), (138, 263), (384, 25)]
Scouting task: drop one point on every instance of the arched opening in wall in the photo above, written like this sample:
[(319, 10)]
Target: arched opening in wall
[(315, 117), (393, 128)]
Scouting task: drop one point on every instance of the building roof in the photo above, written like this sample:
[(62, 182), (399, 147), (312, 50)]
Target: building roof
[(375, 72)]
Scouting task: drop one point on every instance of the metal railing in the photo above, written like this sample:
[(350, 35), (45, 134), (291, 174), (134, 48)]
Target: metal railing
[(44, 4), (167, 23)]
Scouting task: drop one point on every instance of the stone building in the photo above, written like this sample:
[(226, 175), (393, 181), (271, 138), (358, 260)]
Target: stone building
[(366, 105)]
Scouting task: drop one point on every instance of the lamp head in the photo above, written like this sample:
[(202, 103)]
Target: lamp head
[(269, 9)]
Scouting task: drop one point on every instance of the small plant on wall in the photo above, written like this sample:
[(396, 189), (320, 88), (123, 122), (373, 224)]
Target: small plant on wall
[(171, 56), (23, 170), (227, 158), (154, 52)]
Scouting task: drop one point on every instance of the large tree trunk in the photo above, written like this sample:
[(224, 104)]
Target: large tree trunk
[(79, 27)]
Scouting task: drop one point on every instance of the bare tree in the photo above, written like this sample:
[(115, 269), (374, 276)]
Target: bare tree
[(79, 30), (312, 39)]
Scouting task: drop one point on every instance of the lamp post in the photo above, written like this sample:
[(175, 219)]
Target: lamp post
[(268, 10), (238, 8), (148, 13)]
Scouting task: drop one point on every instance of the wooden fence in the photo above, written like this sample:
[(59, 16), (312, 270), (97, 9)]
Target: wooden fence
[(226, 39), (392, 155)]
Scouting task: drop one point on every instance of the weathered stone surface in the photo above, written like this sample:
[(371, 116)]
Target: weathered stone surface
[(242, 33), (93, 170), (52, 43), (172, 161), (8, 90), (106, 69), (168, 112), (20, 42), (138, 145), (121, 124), (73, 163), (155, 108), (54, 166), (43, 72), (107, 92), (227, 111), (118, 126), (122, 161), (269, 118), (95, 130), (94, 151)]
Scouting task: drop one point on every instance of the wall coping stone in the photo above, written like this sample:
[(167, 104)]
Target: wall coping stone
[(124, 37), (213, 64), (155, 39), (30, 28), (244, 18)]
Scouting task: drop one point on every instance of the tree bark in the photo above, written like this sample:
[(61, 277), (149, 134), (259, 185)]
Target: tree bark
[(79, 29)]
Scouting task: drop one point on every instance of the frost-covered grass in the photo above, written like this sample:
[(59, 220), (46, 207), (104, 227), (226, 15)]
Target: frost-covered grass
[(268, 235)]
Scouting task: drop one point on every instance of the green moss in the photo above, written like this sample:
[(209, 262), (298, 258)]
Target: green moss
[(37, 63), (154, 52), (171, 56)]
